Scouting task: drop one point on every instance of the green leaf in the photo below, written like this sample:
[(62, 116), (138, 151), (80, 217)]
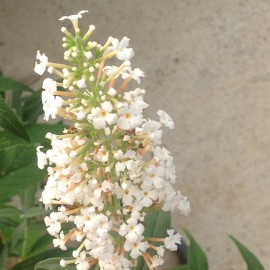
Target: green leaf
[(197, 259), (156, 224), (8, 139), (16, 102), (28, 198), (9, 222), (36, 224), (18, 162), (9, 211), (9, 84), (250, 259), (16, 238), (18, 180), (10, 122), (35, 211), (32, 107), (41, 243), (29, 263), (36, 133), (16, 156), (53, 264), (32, 237)]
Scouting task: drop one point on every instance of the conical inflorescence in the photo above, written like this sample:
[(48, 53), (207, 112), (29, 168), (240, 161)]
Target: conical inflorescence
[(108, 170)]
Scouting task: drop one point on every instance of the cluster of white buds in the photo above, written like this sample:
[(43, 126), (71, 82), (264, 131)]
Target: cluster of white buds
[(109, 168)]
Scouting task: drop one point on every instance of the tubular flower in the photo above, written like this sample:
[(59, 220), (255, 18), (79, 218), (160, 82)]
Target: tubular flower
[(108, 170)]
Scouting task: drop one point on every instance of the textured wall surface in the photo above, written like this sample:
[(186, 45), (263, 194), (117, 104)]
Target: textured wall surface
[(207, 64)]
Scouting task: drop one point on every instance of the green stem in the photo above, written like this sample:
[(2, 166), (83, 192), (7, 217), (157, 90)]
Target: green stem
[(25, 226), (25, 236)]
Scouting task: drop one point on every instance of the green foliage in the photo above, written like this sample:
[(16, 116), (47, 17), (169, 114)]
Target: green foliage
[(197, 259), (22, 239), (41, 244), (250, 259), (10, 122), (18, 180), (18, 167), (32, 107), (30, 262), (53, 264), (35, 211), (10, 84), (9, 212), (156, 224), (25, 106)]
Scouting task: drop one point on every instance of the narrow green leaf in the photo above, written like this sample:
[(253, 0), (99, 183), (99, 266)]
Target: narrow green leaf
[(28, 198), (9, 212), (10, 122), (3, 258), (36, 133), (36, 224), (8, 139), (16, 156), (156, 224), (9, 222), (16, 238), (32, 238), (250, 259), (35, 211), (41, 243), (9, 219), (32, 107), (53, 264), (29, 263), (9, 84), (197, 259), (17, 102), (18, 180)]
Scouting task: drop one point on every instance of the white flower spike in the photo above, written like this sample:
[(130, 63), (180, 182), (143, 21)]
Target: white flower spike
[(109, 168)]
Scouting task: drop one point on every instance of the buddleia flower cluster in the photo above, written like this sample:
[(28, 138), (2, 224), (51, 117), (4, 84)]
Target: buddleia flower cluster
[(109, 168)]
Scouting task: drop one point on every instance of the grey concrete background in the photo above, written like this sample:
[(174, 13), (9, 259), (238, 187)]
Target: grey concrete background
[(207, 64)]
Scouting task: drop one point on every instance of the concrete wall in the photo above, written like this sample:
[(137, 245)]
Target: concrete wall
[(207, 65)]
